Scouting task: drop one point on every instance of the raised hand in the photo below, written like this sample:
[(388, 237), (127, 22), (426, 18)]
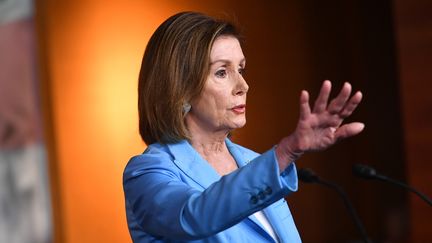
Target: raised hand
[(321, 127)]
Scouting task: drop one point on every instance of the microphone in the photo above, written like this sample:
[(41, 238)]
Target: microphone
[(308, 176), (367, 172)]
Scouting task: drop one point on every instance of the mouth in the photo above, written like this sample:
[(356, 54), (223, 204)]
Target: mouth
[(239, 109)]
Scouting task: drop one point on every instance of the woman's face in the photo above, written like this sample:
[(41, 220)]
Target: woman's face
[(222, 103)]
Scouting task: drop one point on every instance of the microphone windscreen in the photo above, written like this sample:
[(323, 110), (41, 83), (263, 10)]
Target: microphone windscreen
[(364, 171), (307, 175)]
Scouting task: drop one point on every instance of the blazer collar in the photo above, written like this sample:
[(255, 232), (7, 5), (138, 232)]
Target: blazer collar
[(240, 157), (198, 169), (192, 164)]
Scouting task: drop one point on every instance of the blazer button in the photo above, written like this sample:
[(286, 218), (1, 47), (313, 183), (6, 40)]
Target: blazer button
[(268, 191), (261, 195), (254, 199)]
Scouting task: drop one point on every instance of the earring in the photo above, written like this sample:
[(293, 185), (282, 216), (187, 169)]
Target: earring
[(186, 108)]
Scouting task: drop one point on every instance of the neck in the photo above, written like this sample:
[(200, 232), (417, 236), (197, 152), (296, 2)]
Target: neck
[(207, 143)]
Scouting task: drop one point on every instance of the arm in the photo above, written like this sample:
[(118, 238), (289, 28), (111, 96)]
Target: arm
[(321, 127)]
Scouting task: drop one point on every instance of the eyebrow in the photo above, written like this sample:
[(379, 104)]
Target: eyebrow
[(226, 61)]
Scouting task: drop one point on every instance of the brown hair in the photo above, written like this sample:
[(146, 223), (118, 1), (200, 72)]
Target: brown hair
[(173, 72)]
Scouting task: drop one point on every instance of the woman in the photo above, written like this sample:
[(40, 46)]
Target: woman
[(192, 183)]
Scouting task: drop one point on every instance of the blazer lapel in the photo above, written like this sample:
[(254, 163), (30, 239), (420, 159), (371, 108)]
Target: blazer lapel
[(192, 164), (243, 159), (274, 219)]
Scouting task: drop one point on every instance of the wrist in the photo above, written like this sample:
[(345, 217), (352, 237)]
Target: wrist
[(287, 152), (293, 144)]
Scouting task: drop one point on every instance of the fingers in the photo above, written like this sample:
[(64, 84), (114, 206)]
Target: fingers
[(322, 99), (351, 105), (338, 103), (304, 105), (349, 130), (342, 105)]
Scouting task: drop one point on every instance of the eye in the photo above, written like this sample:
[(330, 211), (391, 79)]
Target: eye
[(221, 73), (242, 71)]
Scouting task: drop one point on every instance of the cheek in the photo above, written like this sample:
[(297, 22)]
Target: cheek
[(208, 107), (217, 100)]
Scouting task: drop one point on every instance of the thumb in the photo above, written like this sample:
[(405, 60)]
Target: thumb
[(349, 130)]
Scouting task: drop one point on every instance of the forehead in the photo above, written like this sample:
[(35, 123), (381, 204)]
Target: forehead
[(226, 48)]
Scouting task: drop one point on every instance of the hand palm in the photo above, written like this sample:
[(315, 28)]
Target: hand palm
[(315, 133), (320, 128)]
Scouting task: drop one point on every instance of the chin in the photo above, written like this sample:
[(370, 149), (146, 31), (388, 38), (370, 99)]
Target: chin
[(239, 124)]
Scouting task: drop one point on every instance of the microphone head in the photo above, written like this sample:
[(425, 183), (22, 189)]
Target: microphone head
[(364, 171), (307, 175)]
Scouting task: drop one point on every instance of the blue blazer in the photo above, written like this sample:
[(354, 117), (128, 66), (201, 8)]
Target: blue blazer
[(173, 195)]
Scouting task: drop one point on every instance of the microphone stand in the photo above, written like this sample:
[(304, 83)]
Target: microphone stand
[(367, 172), (308, 176)]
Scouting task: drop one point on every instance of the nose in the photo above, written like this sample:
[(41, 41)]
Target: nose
[(241, 87)]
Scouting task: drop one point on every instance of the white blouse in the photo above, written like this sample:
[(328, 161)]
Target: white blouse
[(263, 220)]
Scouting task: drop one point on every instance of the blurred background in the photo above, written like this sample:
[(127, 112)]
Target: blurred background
[(69, 123)]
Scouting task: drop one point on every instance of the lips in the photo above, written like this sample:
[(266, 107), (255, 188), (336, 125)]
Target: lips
[(240, 109)]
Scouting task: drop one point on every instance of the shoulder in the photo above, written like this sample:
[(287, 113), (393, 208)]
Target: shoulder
[(155, 158)]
